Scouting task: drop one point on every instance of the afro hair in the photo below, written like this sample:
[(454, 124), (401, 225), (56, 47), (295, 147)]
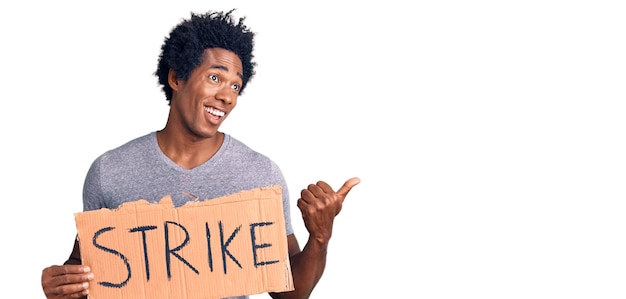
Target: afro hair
[(183, 50)]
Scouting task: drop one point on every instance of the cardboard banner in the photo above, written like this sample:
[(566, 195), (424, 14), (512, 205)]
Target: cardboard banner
[(229, 246)]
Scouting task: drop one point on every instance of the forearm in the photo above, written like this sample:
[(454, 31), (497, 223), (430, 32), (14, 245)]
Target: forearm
[(307, 268)]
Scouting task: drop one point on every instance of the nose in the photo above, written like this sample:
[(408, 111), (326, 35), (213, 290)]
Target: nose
[(226, 95)]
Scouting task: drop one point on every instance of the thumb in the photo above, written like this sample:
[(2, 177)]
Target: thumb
[(347, 186)]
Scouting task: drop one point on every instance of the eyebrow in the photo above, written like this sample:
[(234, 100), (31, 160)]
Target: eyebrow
[(221, 67)]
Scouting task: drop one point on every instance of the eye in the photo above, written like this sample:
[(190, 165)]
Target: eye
[(236, 87), (213, 77)]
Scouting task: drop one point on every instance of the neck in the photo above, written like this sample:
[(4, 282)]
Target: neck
[(186, 151)]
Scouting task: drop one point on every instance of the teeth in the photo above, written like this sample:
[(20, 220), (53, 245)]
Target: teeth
[(215, 111)]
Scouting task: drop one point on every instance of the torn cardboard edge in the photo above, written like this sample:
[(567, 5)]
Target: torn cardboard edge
[(223, 247)]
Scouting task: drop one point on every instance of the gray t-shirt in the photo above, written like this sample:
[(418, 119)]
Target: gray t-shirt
[(140, 170)]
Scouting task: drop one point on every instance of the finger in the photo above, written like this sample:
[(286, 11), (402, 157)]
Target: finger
[(76, 290), (66, 269), (307, 196), (302, 205), (71, 279), (320, 188), (324, 187), (347, 186)]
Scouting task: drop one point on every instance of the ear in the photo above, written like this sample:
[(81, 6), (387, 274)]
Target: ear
[(172, 80)]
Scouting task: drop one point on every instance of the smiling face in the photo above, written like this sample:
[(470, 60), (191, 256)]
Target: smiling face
[(201, 103)]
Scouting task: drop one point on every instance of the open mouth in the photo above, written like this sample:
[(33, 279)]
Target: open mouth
[(214, 111)]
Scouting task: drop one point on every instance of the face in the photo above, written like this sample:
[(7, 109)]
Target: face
[(200, 104)]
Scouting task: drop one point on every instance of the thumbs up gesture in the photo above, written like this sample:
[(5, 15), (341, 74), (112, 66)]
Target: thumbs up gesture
[(319, 205)]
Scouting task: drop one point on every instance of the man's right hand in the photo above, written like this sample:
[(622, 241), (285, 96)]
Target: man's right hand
[(67, 281)]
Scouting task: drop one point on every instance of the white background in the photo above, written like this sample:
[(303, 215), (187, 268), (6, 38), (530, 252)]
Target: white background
[(489, 137)]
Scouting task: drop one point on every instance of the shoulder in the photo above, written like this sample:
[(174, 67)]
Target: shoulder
[(131, 150), (241, 154), (236, 147)]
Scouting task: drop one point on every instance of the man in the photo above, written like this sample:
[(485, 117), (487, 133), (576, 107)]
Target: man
[(204, 65)]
